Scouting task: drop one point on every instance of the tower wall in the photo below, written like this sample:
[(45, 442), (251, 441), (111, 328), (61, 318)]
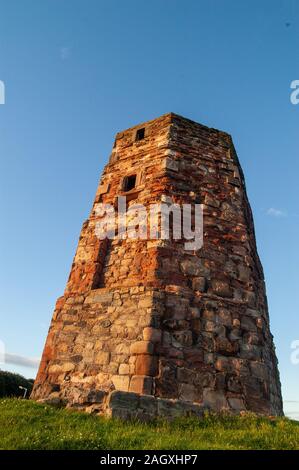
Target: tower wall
[(148, 328)]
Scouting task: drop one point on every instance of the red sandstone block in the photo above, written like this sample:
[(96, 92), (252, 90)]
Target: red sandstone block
[(142, 347), (152, 334), (146, 365), (141, 384)]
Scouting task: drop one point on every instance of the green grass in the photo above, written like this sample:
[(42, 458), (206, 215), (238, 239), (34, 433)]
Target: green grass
[(29, 425)]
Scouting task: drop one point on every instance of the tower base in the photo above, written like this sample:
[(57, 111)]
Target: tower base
[(146, 408)]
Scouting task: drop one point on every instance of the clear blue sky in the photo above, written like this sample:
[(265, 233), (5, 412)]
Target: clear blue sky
[(76, 72)]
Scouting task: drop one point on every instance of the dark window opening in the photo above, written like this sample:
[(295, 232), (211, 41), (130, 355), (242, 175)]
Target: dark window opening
[(140, 134), (129, 182), (102, 264)]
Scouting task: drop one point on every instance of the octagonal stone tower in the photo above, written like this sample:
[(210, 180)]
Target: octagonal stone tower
[(146, 328)]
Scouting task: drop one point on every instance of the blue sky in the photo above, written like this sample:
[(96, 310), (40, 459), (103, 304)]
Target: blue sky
[(76, 72)]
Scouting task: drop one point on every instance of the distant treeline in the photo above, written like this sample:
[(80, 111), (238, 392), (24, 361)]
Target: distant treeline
[(10, 383)]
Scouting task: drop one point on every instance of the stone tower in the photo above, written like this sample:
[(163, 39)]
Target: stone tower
[(147, 328)]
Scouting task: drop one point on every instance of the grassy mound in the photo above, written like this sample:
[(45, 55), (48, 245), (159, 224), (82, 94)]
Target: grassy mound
[(29, 425)]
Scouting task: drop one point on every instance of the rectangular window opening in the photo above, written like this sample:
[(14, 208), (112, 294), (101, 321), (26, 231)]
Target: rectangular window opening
[(140, 134), (129, 182)]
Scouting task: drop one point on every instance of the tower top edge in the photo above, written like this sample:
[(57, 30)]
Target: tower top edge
[(172, 117)]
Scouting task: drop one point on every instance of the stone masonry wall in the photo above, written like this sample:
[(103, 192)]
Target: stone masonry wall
[(146, 328)]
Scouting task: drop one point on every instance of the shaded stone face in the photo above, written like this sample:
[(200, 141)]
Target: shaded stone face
[(147, 328)]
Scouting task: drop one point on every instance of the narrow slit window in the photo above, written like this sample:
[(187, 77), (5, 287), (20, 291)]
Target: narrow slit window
[(140, 134), (129, 182)]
